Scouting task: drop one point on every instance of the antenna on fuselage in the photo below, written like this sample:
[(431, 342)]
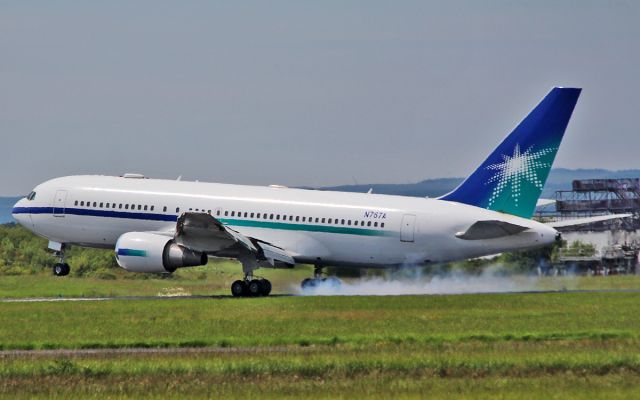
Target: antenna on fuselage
[(179, 178)]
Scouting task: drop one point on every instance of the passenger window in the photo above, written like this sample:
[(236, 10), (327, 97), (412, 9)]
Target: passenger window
[(101, 205), (95, 204), (133, 206), (126, 206), (120, 206), (323, 220), (304, 219), (107, 204), (361, 223), (342, 222), (113, 205), (177, 209), (140, 207), (82, 203), (233, 213), (251, 215), (317, 220), (278, 216), (152, 207), (329, 221), (297, 218), (145, 208), (76, 203), (271, 216), (348, 222), (369, 223), (381, 224), (226, 213), (375, 224), (218, 212)]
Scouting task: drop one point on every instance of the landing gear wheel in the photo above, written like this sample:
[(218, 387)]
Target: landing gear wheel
[(238, 288), (332, 281), (61, 269), (266, 287), (255, 288), (308, 283)]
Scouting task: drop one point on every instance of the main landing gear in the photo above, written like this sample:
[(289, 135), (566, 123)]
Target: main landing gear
[(318, 279), (61, 268), (251, 287)]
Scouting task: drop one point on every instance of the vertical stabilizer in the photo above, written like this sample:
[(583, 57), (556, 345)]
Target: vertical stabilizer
[(511, 179)]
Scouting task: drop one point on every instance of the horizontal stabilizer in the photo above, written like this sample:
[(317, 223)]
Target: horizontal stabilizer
[(583, 221), (490, 230), (544, 202)]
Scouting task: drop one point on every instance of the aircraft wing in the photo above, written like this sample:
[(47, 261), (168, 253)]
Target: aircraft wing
[(491, 229), (203, 232), (583, 221)]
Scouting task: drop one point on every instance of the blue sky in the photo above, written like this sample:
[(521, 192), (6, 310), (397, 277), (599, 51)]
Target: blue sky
[(305, 93)]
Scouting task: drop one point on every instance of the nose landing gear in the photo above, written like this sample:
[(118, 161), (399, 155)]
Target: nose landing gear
[(61, 268)]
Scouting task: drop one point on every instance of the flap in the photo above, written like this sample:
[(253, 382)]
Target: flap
[(203, 232)]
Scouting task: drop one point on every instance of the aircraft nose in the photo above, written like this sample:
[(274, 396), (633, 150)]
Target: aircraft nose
[(19, 213)]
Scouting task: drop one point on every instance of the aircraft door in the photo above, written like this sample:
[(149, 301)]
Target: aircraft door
[(408, 228), (59, 203)]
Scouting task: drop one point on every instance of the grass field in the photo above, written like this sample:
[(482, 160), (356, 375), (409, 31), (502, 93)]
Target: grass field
[(550, 345)]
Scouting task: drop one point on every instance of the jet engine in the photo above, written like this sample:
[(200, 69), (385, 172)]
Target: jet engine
[(149, 252)]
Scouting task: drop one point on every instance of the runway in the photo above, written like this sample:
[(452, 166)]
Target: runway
[(222, 297), (147, 350)]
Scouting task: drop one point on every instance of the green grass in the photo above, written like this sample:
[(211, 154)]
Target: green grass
[(318, 320), (572, 369), (511, 346)]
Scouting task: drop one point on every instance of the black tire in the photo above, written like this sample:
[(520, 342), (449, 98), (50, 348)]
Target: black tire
[(266, 287), (308, 283), (238, 288), (59, 269), (255, 288), (66, 268)]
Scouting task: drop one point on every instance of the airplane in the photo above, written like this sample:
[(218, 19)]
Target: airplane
[(158, 226)]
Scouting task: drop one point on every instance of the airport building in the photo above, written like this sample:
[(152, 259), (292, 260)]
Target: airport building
[(616, 242)]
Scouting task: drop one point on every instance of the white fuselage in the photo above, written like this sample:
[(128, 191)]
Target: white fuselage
[(330, 228)]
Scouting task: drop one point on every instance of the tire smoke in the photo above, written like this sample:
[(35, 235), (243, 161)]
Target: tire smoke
[(411, 282)]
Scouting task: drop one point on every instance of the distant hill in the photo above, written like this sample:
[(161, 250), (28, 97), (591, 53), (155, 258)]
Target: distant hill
[(559, 179), (6, 204)]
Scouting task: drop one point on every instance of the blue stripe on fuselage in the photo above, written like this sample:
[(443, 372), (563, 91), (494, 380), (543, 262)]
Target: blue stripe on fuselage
[(365, 231), (95, 213)]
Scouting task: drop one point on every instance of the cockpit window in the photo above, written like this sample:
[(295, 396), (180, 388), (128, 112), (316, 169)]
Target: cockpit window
[(31, 196)]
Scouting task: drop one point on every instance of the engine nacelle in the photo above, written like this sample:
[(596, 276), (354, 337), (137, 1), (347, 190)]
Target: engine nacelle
[(148, 252)]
